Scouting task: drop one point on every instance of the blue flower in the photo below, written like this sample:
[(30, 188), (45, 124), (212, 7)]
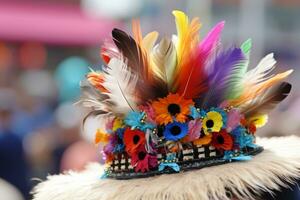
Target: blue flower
[(196, 114), (175, 131), (136, 120), (119, 143), (242, 138)]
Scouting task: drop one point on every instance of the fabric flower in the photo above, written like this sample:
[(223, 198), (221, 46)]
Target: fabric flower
[(213, 122), (203, 139), (142, 161), (194, 131), (222, 140), (242, 139), (173, 107), (148, 109), (101, 137), (119, 143), (259, 120), (117, 123), (233, 119), (133, 139), (175, 131), (137, 120)]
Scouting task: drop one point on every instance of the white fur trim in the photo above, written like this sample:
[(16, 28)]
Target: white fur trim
[(279, 162)]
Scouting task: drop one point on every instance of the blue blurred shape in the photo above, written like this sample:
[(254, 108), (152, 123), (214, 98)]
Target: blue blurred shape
[(68, 75)]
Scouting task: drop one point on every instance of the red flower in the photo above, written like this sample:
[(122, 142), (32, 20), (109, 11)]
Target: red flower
[(133, 139), (142, 161), (222, 140), (252, 128)]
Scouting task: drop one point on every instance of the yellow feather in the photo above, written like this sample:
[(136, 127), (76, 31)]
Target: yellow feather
[(188, 37), (252, 91)]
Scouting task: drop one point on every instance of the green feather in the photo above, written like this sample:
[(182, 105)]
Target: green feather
[(236, 89)]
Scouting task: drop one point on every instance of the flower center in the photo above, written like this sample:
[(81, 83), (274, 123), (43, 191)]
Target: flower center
[(173, 109), (175, 130), (202, 134), (209, 123), (120, 141), (220, 139), (136, 139), (141, 155)]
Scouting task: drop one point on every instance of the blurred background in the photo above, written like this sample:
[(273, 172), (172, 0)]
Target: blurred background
[(47, 46)]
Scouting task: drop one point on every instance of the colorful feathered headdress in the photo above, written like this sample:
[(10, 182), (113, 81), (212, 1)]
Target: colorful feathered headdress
[(179, 104)]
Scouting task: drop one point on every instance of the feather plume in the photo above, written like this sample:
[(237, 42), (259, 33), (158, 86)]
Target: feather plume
[(108, 51), (121, 84), (188, 37), (223, 73), (268, 100), (192, 81), (150, 87), (93, 99), (164, 59), (254, 91), (260, 72), (236, 87)]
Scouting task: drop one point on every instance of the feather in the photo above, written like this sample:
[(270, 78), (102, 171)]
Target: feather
[(121, 84), (108, 51), (246, 47), (268, 100), (254, 91), (188, 37), (164, 58), (236, 87), (150, 87), (223, 73), (193, 80), (260, 72), (91, 97)]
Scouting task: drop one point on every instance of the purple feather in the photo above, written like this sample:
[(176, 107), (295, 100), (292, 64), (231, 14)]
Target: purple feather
[(220, 73)]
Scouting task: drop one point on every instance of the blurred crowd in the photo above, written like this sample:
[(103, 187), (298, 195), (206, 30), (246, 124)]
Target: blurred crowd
[(40, 127)]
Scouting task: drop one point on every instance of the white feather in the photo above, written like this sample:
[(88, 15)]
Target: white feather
[(261, 71), (121, 84)]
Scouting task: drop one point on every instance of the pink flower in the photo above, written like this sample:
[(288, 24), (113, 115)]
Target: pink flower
[(194, 131), (148, 109), (233, 119), (142, 161)]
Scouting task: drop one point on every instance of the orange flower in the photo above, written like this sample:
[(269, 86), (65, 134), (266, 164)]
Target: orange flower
[(101, 137), (133, 139), (172, 107), (97, 80), (203, 140)]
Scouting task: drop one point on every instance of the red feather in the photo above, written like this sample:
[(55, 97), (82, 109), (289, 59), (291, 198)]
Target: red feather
[(192, 81)]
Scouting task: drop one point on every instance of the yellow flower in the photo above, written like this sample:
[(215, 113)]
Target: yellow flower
[(213, 122), (259, 120), (172, 107), (118, 123)]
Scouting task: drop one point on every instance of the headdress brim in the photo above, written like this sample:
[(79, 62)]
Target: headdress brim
[(278, 164)]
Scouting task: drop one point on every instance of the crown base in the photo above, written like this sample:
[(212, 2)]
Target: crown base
[(184, 166)]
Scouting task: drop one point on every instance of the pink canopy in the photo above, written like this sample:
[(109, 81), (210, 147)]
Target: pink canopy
[(55, 24)]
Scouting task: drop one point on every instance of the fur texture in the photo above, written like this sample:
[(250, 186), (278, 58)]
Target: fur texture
[(276, 166)]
